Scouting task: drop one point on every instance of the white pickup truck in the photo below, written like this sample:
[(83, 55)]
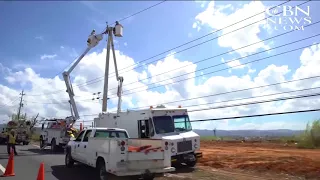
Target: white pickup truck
[(111, 151)]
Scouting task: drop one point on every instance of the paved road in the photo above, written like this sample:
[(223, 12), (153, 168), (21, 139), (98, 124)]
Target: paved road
[(27, 164)]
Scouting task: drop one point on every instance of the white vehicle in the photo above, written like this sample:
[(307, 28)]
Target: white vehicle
[(171, 125), (111, 151), (55, 134)]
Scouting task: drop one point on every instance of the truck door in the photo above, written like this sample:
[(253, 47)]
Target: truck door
[(83, 146), (145, 128), (76, 146)]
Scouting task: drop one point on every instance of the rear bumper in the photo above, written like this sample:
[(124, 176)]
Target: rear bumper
[(143, 172)]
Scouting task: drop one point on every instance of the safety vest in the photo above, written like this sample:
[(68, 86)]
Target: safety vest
[(12, 139)]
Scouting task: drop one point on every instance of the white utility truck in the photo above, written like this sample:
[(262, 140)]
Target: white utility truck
[(170, 124), (56, 134), (111, 151)]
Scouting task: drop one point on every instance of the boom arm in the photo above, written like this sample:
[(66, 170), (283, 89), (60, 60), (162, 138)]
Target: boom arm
[(92, 41), (117, 31), (119, 78)]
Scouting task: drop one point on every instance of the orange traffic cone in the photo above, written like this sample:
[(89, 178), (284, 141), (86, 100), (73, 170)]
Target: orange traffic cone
[(41, 172), (10, 167)]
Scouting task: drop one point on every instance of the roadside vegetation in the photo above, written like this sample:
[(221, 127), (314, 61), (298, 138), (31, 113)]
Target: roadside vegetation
[(311, 136)]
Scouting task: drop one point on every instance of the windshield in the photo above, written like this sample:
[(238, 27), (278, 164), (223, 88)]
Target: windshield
[(168, 124), (182, 123), (163, 124)]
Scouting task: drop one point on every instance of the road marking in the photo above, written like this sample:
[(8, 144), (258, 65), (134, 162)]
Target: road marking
[(2, 169)]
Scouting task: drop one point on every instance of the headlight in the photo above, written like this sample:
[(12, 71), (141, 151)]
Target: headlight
[(173, 150), (195, 146)]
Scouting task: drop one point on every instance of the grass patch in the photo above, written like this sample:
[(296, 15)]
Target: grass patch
[(35, 137), (311, 137)]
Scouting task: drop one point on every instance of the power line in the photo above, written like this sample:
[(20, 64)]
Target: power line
[(257, 102), (7, 104), (191, 42), (239, 90), (141, 11), (253, 97), (136, 13), (244, 104), (98, 79), (208, 67), (286, 52), (256, 115)]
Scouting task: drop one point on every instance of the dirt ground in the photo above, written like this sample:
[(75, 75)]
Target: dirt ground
[(258, 160)]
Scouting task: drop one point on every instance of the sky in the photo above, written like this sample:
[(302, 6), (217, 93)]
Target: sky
[(243, 46)]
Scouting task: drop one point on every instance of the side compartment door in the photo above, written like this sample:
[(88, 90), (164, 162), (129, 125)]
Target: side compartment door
[(76, 146), (83, 153), (145, 128)]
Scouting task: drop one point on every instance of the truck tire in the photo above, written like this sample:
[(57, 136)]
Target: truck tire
[(27, 143), (41, 142), (69, 162), (53, 146), (191, 163), (101, 167)]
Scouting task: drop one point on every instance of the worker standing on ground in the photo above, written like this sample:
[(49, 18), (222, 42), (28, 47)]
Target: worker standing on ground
[(11, 142)]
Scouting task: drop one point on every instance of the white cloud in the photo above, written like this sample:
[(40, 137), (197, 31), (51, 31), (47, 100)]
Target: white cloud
[(93, 65), (39, 38), (215, 17), (125, 44), (48, 56)]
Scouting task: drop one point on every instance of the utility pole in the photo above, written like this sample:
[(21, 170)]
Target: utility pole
[(21, 104)]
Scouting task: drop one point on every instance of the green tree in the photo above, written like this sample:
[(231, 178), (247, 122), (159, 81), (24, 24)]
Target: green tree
[(311, 136)]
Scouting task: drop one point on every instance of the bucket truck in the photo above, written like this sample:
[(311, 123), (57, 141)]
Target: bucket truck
[(172, 125), (57, 133)]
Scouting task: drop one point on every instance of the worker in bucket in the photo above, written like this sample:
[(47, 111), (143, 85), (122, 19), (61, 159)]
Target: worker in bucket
[(11, 142)]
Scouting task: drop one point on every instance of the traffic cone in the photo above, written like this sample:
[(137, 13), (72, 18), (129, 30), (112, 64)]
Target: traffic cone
[(10, 167), (41, 172)]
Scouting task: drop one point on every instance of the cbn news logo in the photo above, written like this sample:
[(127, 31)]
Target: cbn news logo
[(288, 17)]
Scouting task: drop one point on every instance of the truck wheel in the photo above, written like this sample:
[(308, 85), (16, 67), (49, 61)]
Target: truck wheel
[(27, 143), (53, 145), (69, 162), (103, 175), (191, 163)]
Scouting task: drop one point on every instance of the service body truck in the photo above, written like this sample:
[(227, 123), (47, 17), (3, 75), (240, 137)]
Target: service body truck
[(56, 134), (170, 124), (111, 151)]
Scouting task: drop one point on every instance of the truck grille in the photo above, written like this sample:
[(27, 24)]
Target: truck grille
[(184, 146)]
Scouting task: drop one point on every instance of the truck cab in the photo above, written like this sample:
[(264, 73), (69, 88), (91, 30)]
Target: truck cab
[(110, 150)]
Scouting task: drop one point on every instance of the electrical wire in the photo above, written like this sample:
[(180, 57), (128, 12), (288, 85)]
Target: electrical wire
[(96, 80), (102, 77), (208, 67), (286, 52), (243, 104), (252, 97), (256, 115), (257, 102), (238, 90), (136, 13)]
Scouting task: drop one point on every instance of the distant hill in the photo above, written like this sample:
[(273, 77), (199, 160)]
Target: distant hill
[(249, 133), (233, 133)]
